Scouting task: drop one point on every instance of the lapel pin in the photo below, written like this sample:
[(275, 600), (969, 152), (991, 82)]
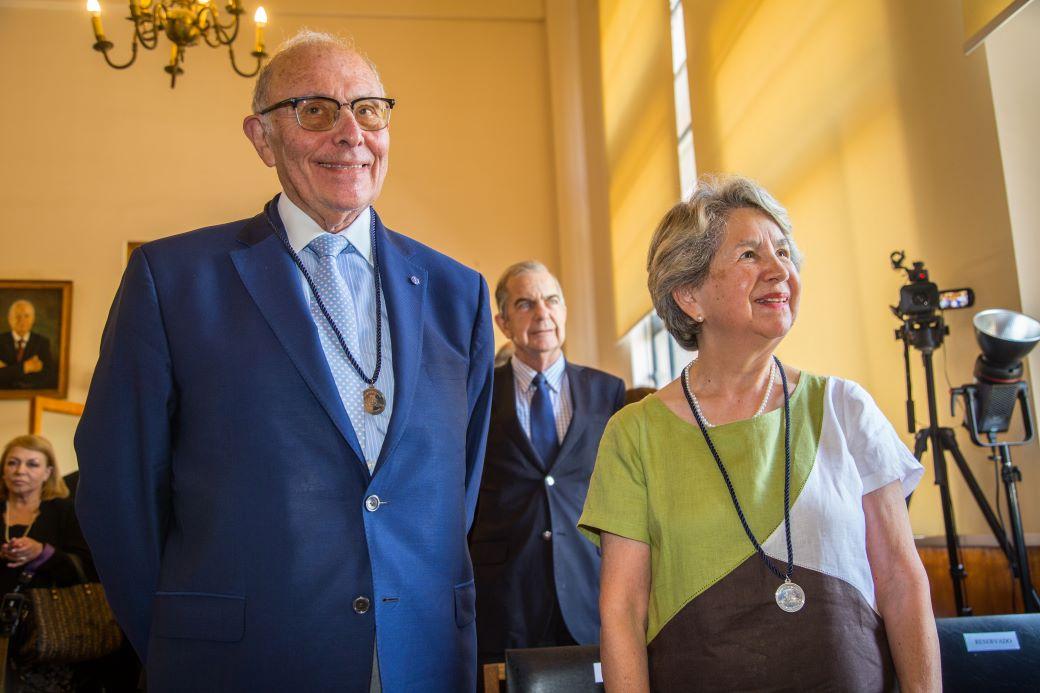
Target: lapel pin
[(415, 280)]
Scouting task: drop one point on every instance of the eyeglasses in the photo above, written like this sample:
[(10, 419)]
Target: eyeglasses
[(321, 113)]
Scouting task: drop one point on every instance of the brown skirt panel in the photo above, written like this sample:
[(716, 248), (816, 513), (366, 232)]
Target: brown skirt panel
[(733, 637)]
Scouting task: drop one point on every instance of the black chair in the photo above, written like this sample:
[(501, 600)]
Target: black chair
[(553, 670), (978, 654), (967, 664)]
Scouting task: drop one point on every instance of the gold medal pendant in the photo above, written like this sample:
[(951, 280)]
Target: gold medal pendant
[(374, 400), (790, 597)]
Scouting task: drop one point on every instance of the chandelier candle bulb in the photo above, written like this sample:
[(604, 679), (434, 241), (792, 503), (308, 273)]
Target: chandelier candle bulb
[(94, 8), (261, 21)]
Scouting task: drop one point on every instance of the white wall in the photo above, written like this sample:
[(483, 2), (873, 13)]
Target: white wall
[(1013, 54)]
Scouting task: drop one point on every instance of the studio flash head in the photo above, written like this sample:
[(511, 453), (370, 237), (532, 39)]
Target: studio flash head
[(1005, 339)]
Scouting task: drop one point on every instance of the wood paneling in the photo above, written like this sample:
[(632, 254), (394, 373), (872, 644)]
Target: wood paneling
[(988, 586)]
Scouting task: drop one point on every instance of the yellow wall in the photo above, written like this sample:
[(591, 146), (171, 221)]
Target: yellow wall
[(870, 124), (982, 17), (117, 156), (639, 123)]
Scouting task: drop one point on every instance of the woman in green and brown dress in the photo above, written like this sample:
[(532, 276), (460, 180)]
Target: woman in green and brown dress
[(751, 516)]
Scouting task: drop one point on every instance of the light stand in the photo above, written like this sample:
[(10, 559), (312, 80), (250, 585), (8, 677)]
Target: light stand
[(1005, 338)]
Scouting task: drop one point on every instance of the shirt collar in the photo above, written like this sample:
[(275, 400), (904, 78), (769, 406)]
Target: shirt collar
[(301, 229), (18, 337), (524, 374)]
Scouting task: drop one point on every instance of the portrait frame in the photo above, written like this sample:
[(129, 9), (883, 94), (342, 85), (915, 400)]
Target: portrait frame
[(44, 366)]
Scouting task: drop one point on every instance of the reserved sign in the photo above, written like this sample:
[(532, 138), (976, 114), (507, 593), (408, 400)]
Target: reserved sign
[(991, 642)]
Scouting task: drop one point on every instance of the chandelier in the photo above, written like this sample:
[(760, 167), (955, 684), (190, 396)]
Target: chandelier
[(184, 22)]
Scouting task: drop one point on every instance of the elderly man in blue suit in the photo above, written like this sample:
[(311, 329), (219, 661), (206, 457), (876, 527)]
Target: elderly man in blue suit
[(282, 443)]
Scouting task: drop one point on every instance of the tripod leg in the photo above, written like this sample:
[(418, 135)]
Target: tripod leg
[(1030, 599), (949, 441), (953, 546), (920, 447)]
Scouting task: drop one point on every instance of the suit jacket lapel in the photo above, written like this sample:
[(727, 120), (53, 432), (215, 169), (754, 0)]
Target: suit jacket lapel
[(505, 404), (581, 394), (404, 286), (273, 281)]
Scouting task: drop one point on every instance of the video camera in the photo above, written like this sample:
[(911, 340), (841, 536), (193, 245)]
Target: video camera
[(921, 297)]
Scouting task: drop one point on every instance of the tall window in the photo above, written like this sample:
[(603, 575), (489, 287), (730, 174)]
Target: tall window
[(656, 357), (681, 85)]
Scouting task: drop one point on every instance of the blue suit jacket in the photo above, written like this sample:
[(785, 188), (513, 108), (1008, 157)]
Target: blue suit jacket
[(223, 490)]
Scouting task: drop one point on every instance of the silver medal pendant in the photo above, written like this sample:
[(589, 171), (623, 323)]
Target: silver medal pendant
[(375, 403), (790, 597)]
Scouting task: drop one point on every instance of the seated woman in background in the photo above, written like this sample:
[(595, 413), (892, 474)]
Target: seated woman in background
[(41, 534), (751, 515), (40, 528)]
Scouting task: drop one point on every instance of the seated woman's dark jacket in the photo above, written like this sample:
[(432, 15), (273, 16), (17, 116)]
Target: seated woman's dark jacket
[(56, 525)]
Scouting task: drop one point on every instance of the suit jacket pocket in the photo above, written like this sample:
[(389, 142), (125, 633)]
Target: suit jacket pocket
[(465, 604), (198, 616)]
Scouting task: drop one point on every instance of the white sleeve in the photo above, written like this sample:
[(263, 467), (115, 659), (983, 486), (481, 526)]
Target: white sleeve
[(881, 456)]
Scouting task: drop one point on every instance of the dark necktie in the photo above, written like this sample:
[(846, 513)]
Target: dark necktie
[(543, 423), (21, 351)]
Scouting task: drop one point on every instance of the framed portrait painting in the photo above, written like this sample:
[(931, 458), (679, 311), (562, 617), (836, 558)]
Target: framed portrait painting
[(34, 338)]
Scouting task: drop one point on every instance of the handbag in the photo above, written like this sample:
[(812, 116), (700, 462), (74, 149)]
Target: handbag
[(66, 624)]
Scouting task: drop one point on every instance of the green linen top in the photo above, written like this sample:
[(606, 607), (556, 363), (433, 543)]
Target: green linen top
[(655, 481)]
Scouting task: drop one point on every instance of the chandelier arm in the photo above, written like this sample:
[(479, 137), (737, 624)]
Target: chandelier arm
[(233, 24), (103, 48), (210, 33), (259, 62), (214, 42), (222, 31), (145, 30)]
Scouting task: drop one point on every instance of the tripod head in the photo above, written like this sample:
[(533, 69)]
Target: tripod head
[(920, 310), (919, 299)]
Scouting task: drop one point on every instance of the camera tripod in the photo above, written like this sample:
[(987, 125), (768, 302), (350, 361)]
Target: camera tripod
[(926, 334)]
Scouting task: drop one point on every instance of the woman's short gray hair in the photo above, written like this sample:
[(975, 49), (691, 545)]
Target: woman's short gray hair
[(688, 237), (303, 39)]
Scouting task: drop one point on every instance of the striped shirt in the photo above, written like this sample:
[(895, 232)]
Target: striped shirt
[(559, 394)]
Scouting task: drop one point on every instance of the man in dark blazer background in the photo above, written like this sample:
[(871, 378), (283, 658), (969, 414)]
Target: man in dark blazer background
[(537, 580), (25, 356), (282, 443)]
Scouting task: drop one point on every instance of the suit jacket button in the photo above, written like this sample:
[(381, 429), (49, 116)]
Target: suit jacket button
[(549, 481), (547, 535), (361, 605), (372, 503)]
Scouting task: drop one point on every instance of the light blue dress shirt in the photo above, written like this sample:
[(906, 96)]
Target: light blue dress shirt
[(559, 395), (356, 268)]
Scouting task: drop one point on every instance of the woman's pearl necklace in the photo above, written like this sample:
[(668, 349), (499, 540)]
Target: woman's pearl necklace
[(697, 404)]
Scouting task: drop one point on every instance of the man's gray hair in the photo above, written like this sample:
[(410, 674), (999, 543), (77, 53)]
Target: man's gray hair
[(515, 270), (688, 237), (303, 40)]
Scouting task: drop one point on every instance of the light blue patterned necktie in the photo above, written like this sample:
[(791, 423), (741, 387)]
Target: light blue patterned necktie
[(332, 287)]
